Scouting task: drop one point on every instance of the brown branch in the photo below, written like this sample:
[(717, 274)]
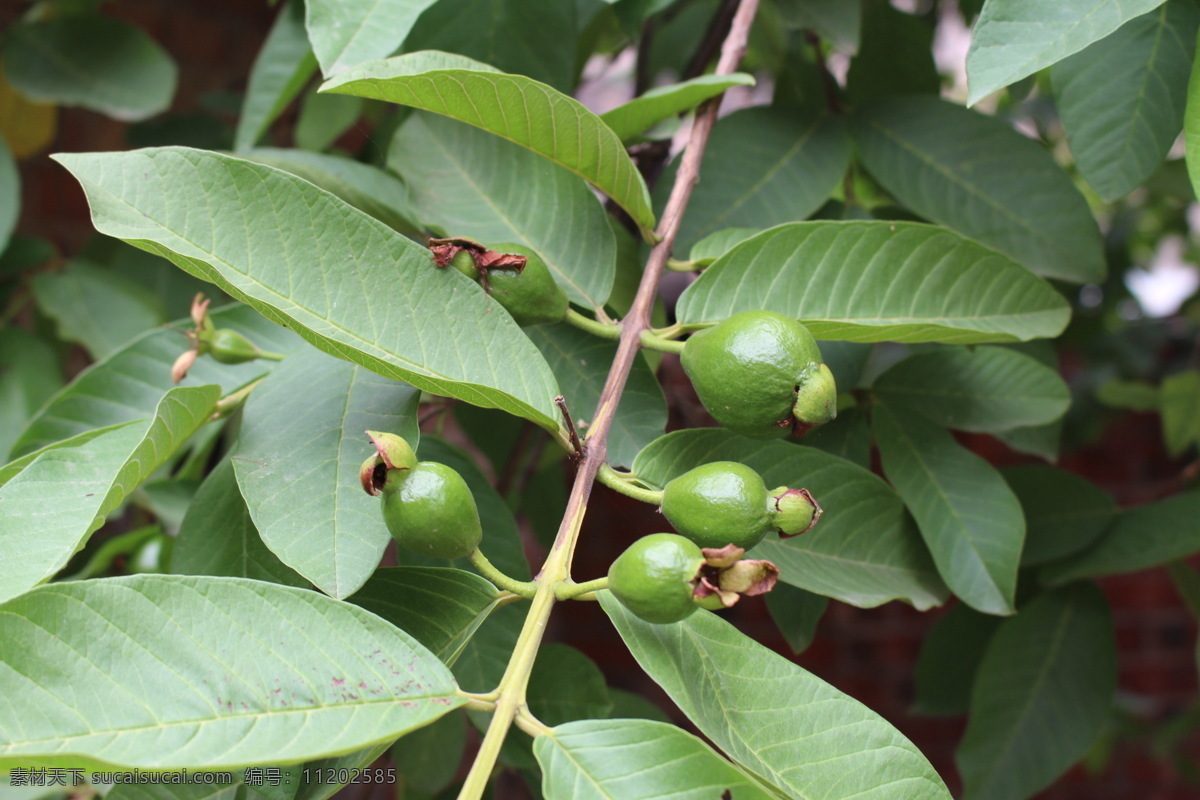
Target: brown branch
[(718, 31), (638, 318)]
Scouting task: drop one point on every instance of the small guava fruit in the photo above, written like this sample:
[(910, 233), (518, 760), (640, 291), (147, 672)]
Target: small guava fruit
[(429, 509), (656, 576), (760, 374), (793, 511), (720, 503), (529, 293), (227, 346)]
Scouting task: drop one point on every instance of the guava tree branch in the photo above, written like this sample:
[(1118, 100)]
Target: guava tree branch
[(557, 568)]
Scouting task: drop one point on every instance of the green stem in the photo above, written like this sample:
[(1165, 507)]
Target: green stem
[(661, 344), (489, 571), (617, 482), (267, 355), (577, 591), (605, 330), (227, 404), (675, 265)]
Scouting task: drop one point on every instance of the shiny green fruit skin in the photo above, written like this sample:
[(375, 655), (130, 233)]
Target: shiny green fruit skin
[(530, 296), (718, 504), (429, 509), (746, 368), (654, 577), (227, 346)]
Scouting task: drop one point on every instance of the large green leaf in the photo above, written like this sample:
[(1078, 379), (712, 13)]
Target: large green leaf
[(581, 361), (1016, 38), (204, 672), (469, 183), (88, 60), (784, 725), (363, 186), (347, 32), (949, 659), (442, 608), (95, 307), (298, 459), (871, 281), (1191, 127), (1139, 538), (864, 551), (1043, 693), (528, 37), (896, 56), (217, 536), (565, 685), (969, 517), (984, 389), (513, 107), (1064, 512), (429, 758), (345, 282), (762, 167), (283, 66), (1181, 411), (661, 103), (635, 760), (835, 20), (1122, 99), (975, 174), (10, 194), (29, 376), (48, 510), (128, 384)]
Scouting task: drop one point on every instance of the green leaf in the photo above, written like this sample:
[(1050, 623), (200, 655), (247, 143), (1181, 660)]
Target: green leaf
[(715, 245), (324, 118), (581, 362), (363, 186), (778, 722), (428, 758), (872, 281), (1133, 395), (218, 537), (486, 655), (10, 194), (1043, 693), (513, 107), (129, 384), (662, 103), (864, 551), (97, 62), (1122, 99), (1064, 512), (975, 174), (984, 389), (635, 760), (969, 518), (848, 437), (171, 289), (1181, 411), (528, 37), (95, 307), (283, 66), (49, 509), (950, 658), (796, 614), (1191, 128), (176, 690), (1140, 537), (896, 56), (762, 167), (1016, 38), (442, 608), (835, 20), (347, 32), (1039, 440), (29, 376), (301, 257), (566, 685), (298, 460), (469, 183)]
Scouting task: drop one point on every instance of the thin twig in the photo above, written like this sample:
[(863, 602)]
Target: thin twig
[(718, 30), (576, 444)]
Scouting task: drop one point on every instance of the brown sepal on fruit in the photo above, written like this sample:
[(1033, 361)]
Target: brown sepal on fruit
[(728, 576), (391, 453), (444, 251)]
